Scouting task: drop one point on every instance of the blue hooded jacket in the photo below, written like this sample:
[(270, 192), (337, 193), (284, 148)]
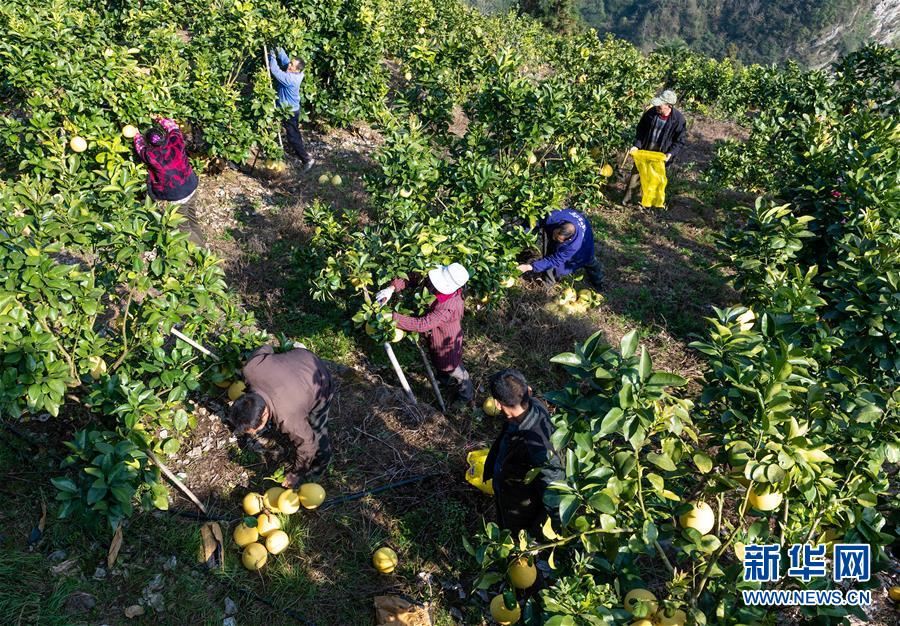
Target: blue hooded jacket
[(564, 258), (287, 84)]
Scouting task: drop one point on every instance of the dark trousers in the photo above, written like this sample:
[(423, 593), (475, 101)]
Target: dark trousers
[(593, 271), (186, 209), (318, 421), (294, 138), (460, 382)]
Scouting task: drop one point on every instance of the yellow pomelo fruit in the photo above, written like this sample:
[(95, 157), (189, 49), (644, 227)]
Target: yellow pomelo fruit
[(244, 535), (503, 615), (311, 495), (267, 523), (408, 76), (78, 144), (252, 503), (766, 501), (678, 618), (427, 249), (894, 593), (606, 171), (236, 389), (585, 295), (398, 335), (739, 550), (289, 502), (701, 518), (521, 573), (639, 595), (642, 622), (385, 560), (254, 556), (405, 193), (129, 131), (421, 30), (573, 152), (223, 384), (277, 541), (491, 407), (568, 295), (508, 282), (270, 498), (532, 158), (336, 180), (324, 179), (98, 367), (739, 453)]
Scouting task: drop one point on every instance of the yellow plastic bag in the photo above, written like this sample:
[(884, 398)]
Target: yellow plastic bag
[(475, 473), (652, 168)]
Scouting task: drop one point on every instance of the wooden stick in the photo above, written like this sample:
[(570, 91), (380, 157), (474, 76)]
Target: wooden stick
[(269, 72), (430, 372), (193, 343), (403, 382), (175, 480)]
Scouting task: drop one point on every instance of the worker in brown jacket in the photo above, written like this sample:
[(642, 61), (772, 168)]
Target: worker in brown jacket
[(291, 391), (442, 323)]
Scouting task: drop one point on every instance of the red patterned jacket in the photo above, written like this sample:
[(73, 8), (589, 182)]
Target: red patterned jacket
[(170, 174), (443, 325)]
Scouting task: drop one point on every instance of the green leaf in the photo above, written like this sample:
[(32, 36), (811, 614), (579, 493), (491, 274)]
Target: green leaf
[(662, 461), (568, 505), (709, 544), (703, 462), (629, 344), (603, 503), (64, 484), (666, 379), (567, 358), (644, 367)]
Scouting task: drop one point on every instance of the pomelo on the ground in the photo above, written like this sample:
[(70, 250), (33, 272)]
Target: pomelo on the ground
[(252, 503), (277, 541), (267, 523), (385, 560), (244, 535), (254, 556), (270, 498), (311, 495), (236, 389), (289, 502)]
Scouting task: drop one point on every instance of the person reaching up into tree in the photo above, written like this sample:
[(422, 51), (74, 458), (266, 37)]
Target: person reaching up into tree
[(523, 445), (442, 323), (661, 129), (288, 83), (567, 245), (170, 177)]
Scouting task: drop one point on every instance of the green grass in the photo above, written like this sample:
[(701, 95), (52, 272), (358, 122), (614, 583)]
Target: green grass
[(29, 594)]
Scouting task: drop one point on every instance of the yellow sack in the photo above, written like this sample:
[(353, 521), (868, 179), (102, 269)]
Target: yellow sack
[(652, 168), (475, 473)]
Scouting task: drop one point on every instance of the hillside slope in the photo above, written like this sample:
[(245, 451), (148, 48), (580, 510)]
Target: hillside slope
[(812, 32)]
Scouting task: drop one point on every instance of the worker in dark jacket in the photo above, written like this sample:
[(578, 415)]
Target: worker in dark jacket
[(288, 83), (292, 391), (523, 445), (567, 245), (661, 129), (443, 324), (170, 177)]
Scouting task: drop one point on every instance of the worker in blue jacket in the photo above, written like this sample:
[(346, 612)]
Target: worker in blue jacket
[(567, 245), (287, 85)]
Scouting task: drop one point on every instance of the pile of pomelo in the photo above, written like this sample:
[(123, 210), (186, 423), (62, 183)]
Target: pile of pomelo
[(572, 301), (260, 533)]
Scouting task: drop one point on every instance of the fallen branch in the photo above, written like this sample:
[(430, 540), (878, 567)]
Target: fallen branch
[(431, 378), (176, 481), (193, 343)]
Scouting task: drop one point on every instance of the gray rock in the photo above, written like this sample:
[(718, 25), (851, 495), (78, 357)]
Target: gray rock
[(230, 607), (229, 621), (170, 563), (57, 555), (99, 573), (80, 602), (156, 584)]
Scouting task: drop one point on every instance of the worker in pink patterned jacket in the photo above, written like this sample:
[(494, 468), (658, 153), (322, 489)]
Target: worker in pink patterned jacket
[(170, 177), (443, 325)]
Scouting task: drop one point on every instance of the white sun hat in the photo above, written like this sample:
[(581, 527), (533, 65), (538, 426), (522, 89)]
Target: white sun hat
[(448, 278)]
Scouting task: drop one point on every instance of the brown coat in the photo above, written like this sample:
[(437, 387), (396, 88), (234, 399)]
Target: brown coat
[(291, 383)]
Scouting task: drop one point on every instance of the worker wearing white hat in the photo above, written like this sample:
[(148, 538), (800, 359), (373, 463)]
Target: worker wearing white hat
[(442, 323), (661, 129)]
